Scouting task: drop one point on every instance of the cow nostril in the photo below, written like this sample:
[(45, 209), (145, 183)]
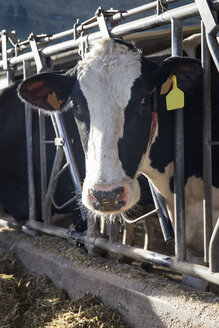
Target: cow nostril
[(109, 200), (93, 199)]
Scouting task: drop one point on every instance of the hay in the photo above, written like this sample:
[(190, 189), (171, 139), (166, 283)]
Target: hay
[(29, 300)]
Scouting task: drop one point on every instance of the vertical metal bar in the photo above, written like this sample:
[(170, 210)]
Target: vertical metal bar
[(52, 185), (29, 145), (207, 155), (69, 156), (164, 220), (4, 50), (9, 77), (214, 249), (42, 130), (179, 197), (43, 161)]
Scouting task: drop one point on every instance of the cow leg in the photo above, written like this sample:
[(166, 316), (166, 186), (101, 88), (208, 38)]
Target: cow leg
[(192, 281)]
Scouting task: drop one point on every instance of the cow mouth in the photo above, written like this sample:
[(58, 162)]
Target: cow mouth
[(108, 201)]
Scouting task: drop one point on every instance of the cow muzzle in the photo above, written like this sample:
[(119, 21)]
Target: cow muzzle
[(107, 200)]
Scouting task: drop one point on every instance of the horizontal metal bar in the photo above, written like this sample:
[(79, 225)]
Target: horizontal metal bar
[(169, 262), (138, 10), (49, 142), (214, 143), (49, 229), (183, 12), (138, 254), (118, 16)]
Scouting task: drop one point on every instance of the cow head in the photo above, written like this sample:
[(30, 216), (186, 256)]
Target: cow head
[(110, 94)]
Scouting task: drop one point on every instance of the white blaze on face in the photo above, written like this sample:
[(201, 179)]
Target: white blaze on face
[(106, 77)]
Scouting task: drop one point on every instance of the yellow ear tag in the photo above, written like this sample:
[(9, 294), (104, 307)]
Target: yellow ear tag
[(175, 98)]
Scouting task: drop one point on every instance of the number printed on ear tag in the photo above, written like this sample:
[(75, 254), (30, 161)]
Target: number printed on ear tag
[(175, 98)]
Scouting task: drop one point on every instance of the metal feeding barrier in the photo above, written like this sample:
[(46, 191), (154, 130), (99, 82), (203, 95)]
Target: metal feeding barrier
[(36, 52)]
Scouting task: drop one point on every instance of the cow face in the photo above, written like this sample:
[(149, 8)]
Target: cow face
[(114, 123), (110, 93)]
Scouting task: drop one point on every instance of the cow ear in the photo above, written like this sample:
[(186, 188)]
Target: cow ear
[(187, 70), (47, 91)]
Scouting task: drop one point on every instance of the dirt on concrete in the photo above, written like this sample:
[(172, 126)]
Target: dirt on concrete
[(171, 304), (30, 300)]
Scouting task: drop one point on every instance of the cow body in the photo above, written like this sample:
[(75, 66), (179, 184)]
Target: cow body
[(13, 164), (110, 92)]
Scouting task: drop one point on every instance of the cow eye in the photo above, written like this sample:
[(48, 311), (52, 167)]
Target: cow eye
[(79, 112), (77, 109)]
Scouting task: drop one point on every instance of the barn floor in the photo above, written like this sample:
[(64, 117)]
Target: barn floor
[(31, 300), (143, 299)]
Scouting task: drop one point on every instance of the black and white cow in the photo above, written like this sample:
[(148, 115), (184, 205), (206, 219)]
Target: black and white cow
[(110, 91)]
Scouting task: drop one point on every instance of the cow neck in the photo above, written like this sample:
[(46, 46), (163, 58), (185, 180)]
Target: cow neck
[(154, 119)]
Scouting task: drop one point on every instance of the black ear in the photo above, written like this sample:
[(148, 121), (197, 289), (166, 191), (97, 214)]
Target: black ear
[(47, 90), (148, 69), (188, 72)]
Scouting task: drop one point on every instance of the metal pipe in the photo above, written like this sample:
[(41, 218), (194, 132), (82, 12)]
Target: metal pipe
[(183, 12), (68, 152), (29, 146), (69, 157), (179, 197), (116, 17), (142, 255), (135, 253), (214, 143), (52, 185), (164, 220), (214, 249), (214, 49), (49, 229), (140, 218), (207, 151), (43, 162)]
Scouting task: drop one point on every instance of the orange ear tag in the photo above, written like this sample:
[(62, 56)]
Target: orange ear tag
[(53, 101), (175, 98), (166, 85)]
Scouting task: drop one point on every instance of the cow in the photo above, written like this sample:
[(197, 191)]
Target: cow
[(13, 164), (112, 92)]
